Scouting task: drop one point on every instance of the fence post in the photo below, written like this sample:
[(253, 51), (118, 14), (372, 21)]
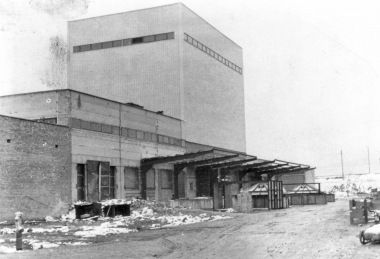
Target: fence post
[(19, 230)]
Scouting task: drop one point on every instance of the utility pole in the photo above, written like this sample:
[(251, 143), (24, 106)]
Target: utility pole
[(369, 163), (341, 158)]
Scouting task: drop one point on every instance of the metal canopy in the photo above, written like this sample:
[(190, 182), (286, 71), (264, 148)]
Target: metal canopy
[(228, 160), (202, 158)]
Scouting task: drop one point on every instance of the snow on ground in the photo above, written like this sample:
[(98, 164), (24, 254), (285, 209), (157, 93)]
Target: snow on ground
[(145, 215), (353, 184)]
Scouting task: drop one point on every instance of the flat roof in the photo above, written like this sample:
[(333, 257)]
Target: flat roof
[(156, 7), (61, 90)]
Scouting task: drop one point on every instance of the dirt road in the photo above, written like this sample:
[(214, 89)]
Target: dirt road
[(314, 231)]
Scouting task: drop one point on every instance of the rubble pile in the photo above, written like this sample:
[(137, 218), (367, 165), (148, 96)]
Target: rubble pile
[(145, 215)]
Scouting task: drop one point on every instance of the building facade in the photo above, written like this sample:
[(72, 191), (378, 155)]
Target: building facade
[(166, 59)]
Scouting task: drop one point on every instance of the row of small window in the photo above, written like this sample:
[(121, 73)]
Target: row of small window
[(212, 53), (48, 120), (131, 178), (126, 132), (124, 42)]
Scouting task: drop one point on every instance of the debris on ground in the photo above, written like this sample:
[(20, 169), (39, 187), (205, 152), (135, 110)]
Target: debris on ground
[(145, 215)]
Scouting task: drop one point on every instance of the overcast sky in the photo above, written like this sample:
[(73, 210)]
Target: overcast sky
[(311, 69)]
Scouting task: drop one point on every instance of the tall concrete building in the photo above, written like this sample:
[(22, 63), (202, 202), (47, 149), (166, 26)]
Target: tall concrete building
[(166, 59)]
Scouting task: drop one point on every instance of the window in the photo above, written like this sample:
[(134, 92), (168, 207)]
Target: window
[(127, 42), (112, 181), (170, 35), (106, 45), (96, 46), (137, 40), (96, 127), (85, 125), (131, 178), (140, 134), (148, 136), (161, 37), (80, 182), (132, 133), (85, 47), (76, 49), (150, 182), (211, 53), (166, 179), (166, 139), (148, 39), (106, 128), (116, 43)]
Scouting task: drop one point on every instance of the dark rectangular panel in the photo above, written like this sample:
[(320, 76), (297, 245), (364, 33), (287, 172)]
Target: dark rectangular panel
[(127, 42), (140, 134), (115, 130), (106, 45), (124, 132), (76, 49), (161, 37), (117, 43), (92, 181), (106, 128), (75, 123), (132, 133), (85, 47), (154, 137), (170, 35), (96, 126), (148, 136), (137, 40), (85, 125), (148, 39), (96, 46)]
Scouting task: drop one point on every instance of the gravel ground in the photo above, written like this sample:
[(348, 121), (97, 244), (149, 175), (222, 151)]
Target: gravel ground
[(313, 231)]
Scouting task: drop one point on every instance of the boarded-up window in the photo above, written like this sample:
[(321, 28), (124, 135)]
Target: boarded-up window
[(166, 179), (150, 183), (131, 178), (96, 127), (124, 132), (115, 130), (80, 182)]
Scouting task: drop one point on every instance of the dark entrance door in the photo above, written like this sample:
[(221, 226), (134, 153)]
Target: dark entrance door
[(98, 180)]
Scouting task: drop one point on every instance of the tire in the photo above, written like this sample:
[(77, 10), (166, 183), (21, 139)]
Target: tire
[(362, 239)]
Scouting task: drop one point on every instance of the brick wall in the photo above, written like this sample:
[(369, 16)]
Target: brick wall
[(35, 169)]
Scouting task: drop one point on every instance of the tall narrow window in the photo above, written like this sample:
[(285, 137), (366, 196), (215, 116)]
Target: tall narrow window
[(131, 178), (80, 182), (112, 181), (150, 183)]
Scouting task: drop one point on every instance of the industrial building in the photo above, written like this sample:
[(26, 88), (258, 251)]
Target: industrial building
[(154, 108)]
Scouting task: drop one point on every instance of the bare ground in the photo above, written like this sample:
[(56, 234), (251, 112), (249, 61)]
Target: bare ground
[(313, 231)]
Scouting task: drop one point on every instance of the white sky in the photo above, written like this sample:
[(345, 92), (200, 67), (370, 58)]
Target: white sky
[(311, 70)]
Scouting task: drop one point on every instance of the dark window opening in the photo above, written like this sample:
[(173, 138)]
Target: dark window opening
[(112, 181), (106, 45), (76, 49), (80, 182), (117, 43), (96, 46), (170, 35), (137, 40), (56, 146), (8, 141), (85, 47)]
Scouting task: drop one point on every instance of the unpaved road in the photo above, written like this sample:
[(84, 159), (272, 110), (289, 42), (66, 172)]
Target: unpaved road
[(313, 231)]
